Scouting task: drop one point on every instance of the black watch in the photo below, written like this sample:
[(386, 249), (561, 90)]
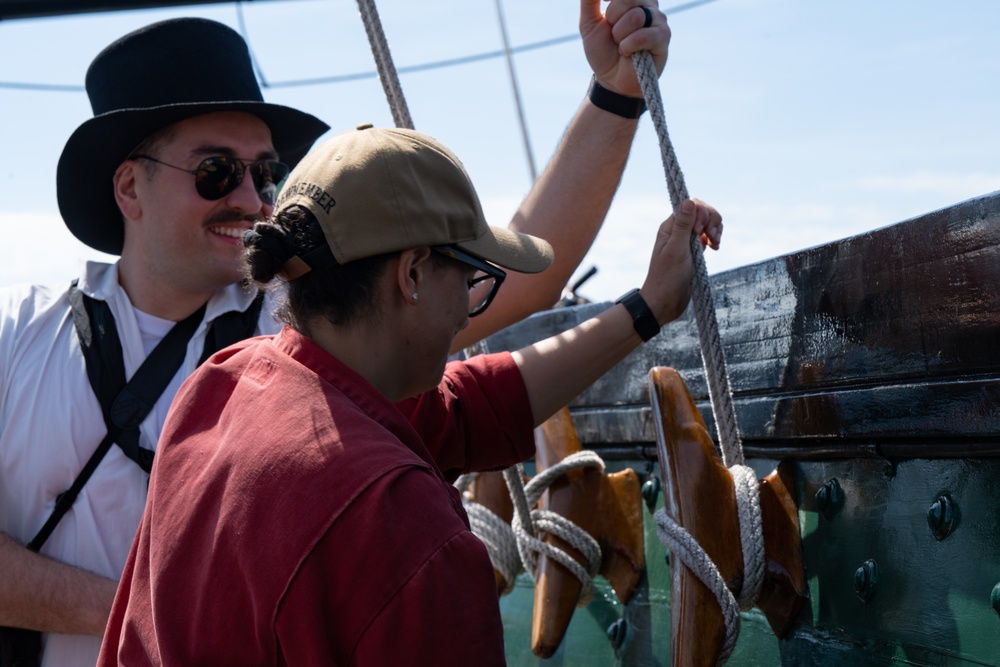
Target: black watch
[(642, 317), (616, 103)]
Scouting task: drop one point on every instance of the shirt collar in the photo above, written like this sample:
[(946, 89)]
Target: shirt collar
[(100, 281)]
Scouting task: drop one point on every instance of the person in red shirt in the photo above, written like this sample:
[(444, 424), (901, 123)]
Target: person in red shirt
[(295, 514)]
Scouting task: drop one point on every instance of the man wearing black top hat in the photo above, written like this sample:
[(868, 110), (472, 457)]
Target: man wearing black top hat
[(181, 156)]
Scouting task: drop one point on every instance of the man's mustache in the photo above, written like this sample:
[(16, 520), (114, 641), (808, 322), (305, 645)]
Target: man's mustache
[(223, 217)]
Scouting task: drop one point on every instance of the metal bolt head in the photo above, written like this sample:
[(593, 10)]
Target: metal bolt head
[(942, 517), (617, 632), (866, 580), (651, 492), (829, 498)]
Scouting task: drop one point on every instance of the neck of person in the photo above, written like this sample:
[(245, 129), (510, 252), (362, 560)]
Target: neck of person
[(371, 350), (157, 296)]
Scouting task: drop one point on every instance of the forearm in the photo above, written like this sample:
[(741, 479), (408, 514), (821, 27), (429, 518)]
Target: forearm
[(566, 207), (40, 593), (557, 369)]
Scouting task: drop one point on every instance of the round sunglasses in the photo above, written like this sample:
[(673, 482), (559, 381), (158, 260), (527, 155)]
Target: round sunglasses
[(217, 176)]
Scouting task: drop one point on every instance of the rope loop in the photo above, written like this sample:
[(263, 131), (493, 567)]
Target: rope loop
[(543, 480), (751, 534), (516, 546), (527, 524), (687, 550), (495, 533)]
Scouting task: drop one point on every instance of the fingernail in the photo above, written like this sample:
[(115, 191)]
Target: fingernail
[(687, 206)]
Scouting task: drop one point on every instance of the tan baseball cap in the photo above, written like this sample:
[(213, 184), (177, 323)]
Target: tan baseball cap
[(378, 190)]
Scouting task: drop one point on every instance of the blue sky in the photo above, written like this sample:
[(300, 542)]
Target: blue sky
[(802, 121)]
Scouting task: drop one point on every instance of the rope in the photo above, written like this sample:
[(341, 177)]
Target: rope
[(384, 64), (716, 374), (509, 56), (516, 546), (751, 534), (496, 534), (701, 295), (683, 545), (686, 548), (527, 523)]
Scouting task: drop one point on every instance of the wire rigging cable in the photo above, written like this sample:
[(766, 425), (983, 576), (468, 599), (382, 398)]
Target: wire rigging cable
[(354, 76)]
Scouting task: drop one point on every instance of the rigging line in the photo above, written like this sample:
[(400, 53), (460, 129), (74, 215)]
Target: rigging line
[(342, 78), (44, 87), (371, 74), (516, 91), (240, 19), (437, 64), (386, 66)]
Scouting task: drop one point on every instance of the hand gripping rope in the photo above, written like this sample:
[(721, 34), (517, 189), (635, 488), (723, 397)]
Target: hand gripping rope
[(678, 540)]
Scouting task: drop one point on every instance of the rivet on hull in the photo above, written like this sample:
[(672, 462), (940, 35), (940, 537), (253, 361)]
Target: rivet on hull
[(866, 580), (829, 499), (651, 492), (617, 632), (942, 517)]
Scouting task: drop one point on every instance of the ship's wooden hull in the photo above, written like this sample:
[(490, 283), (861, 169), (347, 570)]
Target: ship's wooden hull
[(872, 367)]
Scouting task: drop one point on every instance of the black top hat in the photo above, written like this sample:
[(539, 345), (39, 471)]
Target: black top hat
[(147, 80)]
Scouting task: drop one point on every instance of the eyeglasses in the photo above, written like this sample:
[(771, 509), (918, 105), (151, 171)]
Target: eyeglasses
[(219, 175), (485, 282)]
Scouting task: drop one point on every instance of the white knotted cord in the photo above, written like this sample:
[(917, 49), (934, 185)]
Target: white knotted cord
[(528, 524), (716, 374), (496, 534), (687, 550), (384, 64), (521, 537)]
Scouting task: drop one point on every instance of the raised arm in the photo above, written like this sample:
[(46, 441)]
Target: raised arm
[(39, 593), (571, 198), (557, 369)]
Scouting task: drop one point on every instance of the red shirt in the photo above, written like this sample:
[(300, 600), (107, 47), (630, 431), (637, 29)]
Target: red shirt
[(295, 516)]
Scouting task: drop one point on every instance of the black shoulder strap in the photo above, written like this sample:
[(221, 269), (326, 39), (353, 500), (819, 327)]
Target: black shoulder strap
[(124, 405), (232, 327)]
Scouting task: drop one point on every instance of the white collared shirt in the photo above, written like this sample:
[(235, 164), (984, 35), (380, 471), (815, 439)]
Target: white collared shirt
[(51, 423)]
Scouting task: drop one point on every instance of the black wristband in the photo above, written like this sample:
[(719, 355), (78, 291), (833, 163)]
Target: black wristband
[(620, 105), (643, 320)]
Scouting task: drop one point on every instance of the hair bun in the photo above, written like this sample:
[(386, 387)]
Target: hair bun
[(268, 248)]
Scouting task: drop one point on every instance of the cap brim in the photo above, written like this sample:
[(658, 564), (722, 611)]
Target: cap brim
[(511, 250), (87, 166)]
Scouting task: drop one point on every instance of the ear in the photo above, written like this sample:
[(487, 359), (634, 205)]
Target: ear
[(412, 271), (125, 190)]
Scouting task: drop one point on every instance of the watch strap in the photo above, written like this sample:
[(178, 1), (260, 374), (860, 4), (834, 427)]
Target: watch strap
[(612, 102), (643, 320)]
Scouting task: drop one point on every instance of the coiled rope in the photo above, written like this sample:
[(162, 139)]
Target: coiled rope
[(521, 537), (496, 534), (678, 540)]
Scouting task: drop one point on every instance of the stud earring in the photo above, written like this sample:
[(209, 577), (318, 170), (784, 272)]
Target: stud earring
[(414, 296)]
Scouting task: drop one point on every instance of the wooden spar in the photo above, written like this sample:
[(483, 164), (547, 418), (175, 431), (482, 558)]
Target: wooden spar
[(699, 495), (608, 507)]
